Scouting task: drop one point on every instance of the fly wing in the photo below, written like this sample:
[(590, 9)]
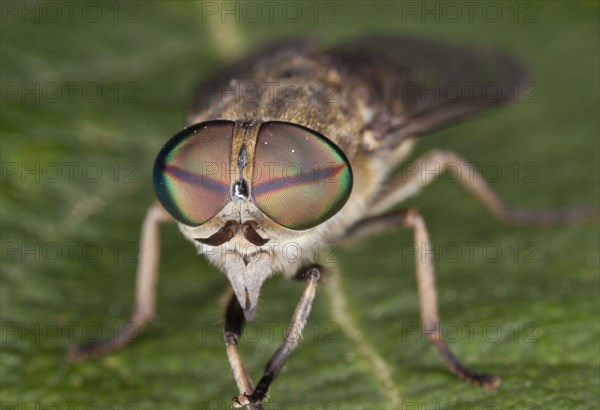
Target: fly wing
[(415, 86), (210, 91)]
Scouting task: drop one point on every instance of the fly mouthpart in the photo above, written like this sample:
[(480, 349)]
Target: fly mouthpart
[(247, 305)]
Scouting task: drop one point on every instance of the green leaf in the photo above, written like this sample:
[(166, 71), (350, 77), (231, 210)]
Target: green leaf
[(76, 181)]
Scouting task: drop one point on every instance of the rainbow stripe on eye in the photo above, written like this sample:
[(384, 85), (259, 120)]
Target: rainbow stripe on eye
[(291, 181), (300, 178), (192, 172), (172, 172)]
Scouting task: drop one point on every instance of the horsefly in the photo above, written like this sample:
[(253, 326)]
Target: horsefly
[(295, 145)]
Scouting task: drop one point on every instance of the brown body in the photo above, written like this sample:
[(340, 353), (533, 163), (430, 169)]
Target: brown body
[(372, 97)]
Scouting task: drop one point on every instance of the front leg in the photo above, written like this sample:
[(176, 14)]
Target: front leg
[(233, 324), (145, 291), (312, 274)]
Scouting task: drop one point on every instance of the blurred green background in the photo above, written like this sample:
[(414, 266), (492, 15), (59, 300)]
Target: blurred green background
[(76, 181)]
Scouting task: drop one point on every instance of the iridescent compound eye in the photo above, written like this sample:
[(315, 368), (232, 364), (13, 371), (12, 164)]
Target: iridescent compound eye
[(192, 172), (300, 178)]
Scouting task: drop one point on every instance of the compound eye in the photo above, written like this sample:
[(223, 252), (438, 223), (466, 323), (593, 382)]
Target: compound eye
[(300, 178), (192, 172)]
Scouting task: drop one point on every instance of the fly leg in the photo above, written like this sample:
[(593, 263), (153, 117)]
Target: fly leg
[(427, 168), (411, 218), (312, 275), (145, 291), (409, 183), (233, 324)]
